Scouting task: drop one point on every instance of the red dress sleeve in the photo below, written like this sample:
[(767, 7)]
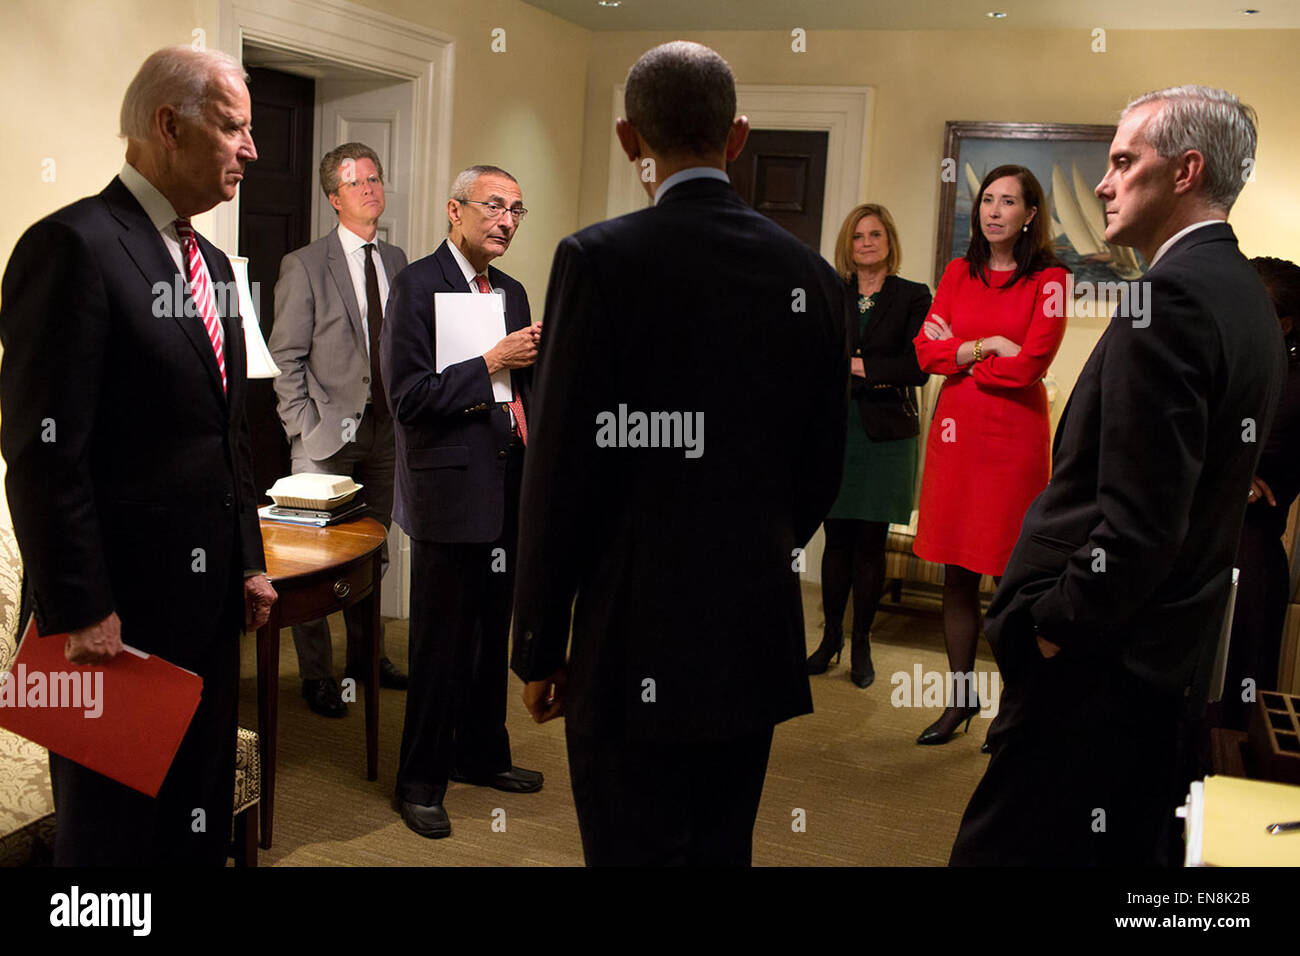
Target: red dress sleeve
[(939, 356), (1036, 351)]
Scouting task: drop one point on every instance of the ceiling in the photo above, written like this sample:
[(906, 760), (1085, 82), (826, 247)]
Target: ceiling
[(691, 15)]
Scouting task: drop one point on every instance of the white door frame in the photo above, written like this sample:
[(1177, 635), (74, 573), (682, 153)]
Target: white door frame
[(844, 112), (360, 37), (356, 36)]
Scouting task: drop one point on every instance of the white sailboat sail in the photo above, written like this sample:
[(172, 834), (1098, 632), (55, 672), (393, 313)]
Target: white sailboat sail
[(1094, 213), (972, 183), (1070, 216)]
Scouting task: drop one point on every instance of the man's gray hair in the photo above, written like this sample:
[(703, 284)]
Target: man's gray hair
[(468, 176), (466, 179), (1214, 123), (177, 76), (681, 98)]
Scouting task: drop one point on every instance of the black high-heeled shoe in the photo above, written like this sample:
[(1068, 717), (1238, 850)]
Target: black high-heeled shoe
[(941, 731), (832, 645), (863, 672)]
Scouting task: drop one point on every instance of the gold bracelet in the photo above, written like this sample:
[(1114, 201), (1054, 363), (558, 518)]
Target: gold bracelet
[(979, 349)]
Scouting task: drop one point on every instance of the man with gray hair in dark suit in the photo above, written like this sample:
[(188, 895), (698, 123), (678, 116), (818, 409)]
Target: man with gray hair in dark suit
[(1110, 606), (129, 476)]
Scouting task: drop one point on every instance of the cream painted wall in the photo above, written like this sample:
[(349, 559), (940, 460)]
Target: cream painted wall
[(924, 79), (521, 110), (66, 64)]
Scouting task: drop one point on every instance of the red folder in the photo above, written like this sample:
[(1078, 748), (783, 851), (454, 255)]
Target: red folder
[(124, 719)]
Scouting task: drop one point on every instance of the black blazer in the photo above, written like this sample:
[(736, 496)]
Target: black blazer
[(1150, 474), (130, 481), (684, 568), (888, 356), (451, 432)]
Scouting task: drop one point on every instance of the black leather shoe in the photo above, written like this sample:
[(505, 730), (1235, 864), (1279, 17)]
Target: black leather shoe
[(389, 676), (514, 780), (430, 822), (324, 698)]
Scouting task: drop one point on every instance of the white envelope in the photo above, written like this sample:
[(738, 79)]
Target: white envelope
[(468, 324)]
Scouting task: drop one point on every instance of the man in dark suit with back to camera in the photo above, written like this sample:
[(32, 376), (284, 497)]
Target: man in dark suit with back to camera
[(329, 309), (688, 637), (460, 456), (123, 428), (1114, 597)]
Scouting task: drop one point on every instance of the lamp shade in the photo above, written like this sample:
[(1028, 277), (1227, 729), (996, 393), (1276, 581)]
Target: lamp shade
[(260, 363)]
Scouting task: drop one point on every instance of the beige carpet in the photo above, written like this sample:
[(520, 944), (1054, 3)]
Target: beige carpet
[(869, 795)]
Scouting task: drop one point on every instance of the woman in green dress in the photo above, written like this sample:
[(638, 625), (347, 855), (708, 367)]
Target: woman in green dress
[(881, 449)]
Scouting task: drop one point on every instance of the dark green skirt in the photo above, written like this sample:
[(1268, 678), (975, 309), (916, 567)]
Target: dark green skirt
[(879, 476)]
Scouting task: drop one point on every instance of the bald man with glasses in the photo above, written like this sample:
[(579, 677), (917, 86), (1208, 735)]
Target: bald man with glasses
[(460, 458)]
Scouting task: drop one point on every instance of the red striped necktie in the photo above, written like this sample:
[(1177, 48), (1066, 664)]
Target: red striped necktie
[(516, 406), (201, 290)]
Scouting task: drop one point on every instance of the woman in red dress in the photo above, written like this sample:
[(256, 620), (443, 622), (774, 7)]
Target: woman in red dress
[(993, 332)]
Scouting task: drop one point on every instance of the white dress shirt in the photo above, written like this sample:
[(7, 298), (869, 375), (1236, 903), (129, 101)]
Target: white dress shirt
[(163, 216), (465, 267), (1164, 247), (354, 251), (684, 175)]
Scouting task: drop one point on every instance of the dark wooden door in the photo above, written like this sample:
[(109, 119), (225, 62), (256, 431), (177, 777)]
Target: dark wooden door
[(274, 219), (782, 174)]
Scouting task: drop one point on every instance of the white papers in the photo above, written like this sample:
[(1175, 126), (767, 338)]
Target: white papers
[(468, 325)]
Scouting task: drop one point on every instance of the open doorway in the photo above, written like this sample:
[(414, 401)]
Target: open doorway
[(345, 49)]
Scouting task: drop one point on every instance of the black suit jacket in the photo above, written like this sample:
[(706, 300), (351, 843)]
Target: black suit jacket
[(451, 432), (129, 481), (888, 356), (683, 567), (1150, 474)]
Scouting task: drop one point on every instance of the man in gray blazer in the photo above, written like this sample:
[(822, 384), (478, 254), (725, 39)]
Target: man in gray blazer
[(329, 304)]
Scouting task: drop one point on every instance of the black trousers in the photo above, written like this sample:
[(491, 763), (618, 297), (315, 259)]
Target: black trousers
[(101, 822), (645, 803), (370, 460), (1084, 770), (461, 597)]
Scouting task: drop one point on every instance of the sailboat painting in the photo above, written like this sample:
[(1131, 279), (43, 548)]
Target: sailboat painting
[(1068, 161)]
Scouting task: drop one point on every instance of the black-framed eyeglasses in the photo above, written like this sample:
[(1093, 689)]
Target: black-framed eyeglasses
[(494, 210)]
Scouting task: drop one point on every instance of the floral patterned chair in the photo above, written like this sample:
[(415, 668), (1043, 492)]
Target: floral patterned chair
[(26, 803)]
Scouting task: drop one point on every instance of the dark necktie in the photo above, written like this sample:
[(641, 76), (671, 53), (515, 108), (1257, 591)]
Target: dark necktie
[(375, 321)]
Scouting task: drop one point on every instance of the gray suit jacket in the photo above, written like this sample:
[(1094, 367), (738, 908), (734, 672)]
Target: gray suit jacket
[(320, 344)]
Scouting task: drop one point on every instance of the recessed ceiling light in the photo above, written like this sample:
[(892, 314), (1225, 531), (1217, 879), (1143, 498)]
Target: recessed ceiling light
[(1249, 12), (996, 15), (609, 3)]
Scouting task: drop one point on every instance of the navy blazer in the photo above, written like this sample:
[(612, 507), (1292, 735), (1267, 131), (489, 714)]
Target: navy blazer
[(140, 500), (452, 434), (1153, 457), (685, 565)]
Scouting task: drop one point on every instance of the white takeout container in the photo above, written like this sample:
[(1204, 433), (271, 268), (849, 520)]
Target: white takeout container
[(314, 492)]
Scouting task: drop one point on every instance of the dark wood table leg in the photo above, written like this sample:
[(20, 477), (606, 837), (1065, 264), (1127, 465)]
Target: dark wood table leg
[(268, 694), (374, 630)]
